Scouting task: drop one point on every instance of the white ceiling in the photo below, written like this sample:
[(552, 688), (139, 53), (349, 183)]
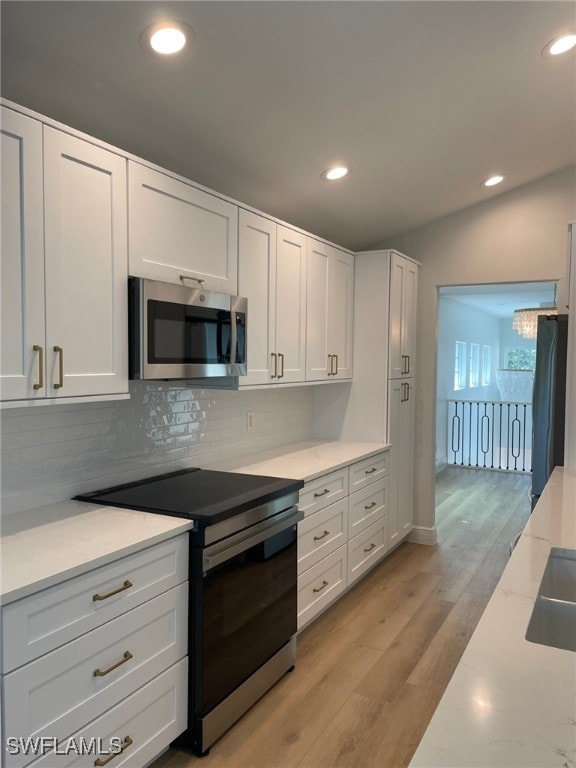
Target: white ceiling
[(501, 299), (421, 99)]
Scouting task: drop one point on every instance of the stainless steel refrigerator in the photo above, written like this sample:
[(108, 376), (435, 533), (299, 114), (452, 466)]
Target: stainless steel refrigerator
[(549, 400)]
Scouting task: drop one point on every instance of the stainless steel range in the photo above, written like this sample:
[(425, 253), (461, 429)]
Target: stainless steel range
[(243, 585)]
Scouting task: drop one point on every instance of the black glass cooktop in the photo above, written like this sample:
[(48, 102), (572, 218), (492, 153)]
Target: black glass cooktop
[(205, 495)]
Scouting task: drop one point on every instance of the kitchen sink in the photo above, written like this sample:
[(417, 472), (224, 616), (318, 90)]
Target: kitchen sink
[(553, 620)]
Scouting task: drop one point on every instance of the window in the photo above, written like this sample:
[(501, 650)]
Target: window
[(474, 369), (486, 364), (460, 365), (519, 359)]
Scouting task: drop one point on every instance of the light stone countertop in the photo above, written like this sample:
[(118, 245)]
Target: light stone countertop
[(47, 545), (512, 703), (302, 461)]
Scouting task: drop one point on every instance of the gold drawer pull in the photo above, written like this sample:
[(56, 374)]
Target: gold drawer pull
[(370, 548), (370, 506), (322, 493), (326, 533), (199, 280), (125, 744), (40, 350), (127, 584), (102, 672), (370, 471), (321, 587)]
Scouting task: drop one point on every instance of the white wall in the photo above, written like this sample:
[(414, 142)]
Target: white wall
[(460, 322), (50, 453), (516, 236)]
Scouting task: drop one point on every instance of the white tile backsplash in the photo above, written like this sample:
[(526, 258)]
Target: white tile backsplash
[(50, 453)]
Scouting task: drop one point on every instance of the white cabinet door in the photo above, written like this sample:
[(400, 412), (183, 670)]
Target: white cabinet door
[(329, 328), (402, 316), (23, 343), (340, 313), (178, 230), (86, 267), (318, 365), (257, 282), (400, 436), (290, 306)]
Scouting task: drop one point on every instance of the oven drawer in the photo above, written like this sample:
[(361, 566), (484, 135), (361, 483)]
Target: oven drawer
[(321, 584), (368, 471), (367, 506), (60, 692), (322, 533), (46, 620), (322, 491), (367, 548), (147, 721)]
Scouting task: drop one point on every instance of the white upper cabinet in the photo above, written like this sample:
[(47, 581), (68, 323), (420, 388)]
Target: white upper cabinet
[(402, 316), (330, 290), (23, 342), (257, 282), (64, 264), (178, 231), (290, 348), (272, 276), (86, 267)]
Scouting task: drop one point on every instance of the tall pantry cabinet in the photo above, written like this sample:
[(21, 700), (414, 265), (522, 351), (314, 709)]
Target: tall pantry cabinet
[(381, 403)]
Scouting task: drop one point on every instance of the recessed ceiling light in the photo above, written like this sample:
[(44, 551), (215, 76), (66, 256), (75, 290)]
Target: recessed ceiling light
[(167, 37), (561, 44), (492, 181), (335, 173)]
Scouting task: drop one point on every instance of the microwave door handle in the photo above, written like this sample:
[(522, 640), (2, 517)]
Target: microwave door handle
[(233, 336)]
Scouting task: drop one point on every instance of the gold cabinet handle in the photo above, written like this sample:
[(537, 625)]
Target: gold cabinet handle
[(370, 548), (199, 280), (281, 358), (125, 744), (40, 350), (321, 587), (102, 672), (336, 370), (330, 365), (370, 506), (127, 584), (274, 357), (407, 363), (322, 493), (370, 471), (323, 536), (60, 352)]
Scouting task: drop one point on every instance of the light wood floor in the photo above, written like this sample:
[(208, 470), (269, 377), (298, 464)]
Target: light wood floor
[(372, 669)]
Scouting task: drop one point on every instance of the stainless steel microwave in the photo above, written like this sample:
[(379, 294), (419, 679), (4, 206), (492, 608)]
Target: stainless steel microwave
[(179, 332)]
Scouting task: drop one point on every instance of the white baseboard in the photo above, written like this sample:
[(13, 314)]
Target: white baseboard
[(421, 535)]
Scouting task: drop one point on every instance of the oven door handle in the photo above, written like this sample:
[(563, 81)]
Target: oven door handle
[(218, 553)]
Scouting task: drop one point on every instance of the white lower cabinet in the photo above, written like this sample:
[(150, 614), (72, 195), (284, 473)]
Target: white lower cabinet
[(108, 636), (136, 730), (343, 534)]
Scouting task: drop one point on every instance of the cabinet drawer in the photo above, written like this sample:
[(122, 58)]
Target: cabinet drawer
[(367, 548), (42, 622), (322, 491), (322, 533), (146, 722), (368, 471), (367, 506), (319, 585), (60, 692)]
